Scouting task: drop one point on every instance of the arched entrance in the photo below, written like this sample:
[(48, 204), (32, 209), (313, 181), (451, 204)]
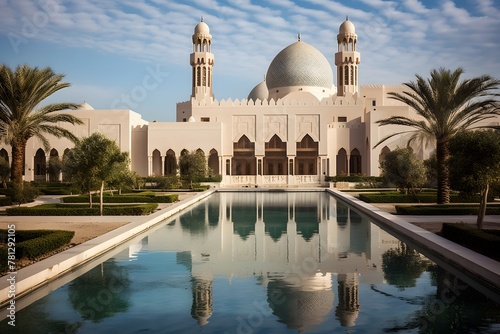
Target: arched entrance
[(55, 166), (342, 162), (170, 163), (243, 161), (156, 163), (306, 161), (355, 162), (213, 162), (275, 158), (40, 166)]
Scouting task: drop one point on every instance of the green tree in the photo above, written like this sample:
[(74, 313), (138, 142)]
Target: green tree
[(21, 92), (93, 162), (193, 166), (475, 165), (55, 166), (447, 106), (403, 168)]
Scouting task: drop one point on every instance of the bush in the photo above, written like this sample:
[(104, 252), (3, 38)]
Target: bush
[(354, 178), (4, 201), (423, 197), (445, 209), (146, 197), (469, 236), (32, 244), (81, 210)]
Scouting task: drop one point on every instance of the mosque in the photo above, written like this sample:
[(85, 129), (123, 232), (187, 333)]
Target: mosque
[(294, 129)]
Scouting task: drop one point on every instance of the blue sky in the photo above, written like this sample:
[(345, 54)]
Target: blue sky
[(109, 50)]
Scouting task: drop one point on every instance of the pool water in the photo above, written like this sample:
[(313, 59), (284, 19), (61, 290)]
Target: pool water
[(262, 262)]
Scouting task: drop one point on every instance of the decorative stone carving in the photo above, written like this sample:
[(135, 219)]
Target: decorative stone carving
[(276, 124), (244, 125), (307, 124)]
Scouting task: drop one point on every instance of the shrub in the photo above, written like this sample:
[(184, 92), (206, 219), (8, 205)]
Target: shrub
[(423, 197), (146, 197), (34, 243), (82, 210), (36, 247), (441, 209), (4, 201), (469, 236)]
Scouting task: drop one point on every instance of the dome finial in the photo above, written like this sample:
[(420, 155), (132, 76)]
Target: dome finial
[(346, 18), (201, 20), (298, 36)]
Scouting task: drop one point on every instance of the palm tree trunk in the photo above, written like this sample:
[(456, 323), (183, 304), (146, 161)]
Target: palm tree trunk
[(17, 167), (443, 172), (482, 207)]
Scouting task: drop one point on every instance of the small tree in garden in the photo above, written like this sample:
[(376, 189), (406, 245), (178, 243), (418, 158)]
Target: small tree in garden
[(475, 165), (55, 166), (403, 168), (193, 166), (93, 162)]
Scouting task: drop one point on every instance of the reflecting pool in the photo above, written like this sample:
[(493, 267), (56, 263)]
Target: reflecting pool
[(262, 262)]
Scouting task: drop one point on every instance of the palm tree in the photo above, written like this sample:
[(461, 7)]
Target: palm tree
[(447, 106), (21, 91)]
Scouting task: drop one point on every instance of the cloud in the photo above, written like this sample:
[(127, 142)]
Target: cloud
[(396, 38)]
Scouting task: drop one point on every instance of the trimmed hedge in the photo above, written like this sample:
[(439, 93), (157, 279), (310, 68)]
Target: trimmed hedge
[(424, 197), (445, 209), (34, 243), (469, 236), (137, 198), (354, 178), (81, 210), (4, 201)]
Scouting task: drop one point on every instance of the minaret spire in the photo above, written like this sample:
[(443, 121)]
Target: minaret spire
[(347, 59), (202, 61)]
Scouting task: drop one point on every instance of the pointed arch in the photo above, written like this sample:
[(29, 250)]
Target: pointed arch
[(54, 168), (156, 163), (383, 154), (4, 155), (306, 160), (342, 162), (355, 162), (275, 159), (170, 163), (213, 162), (40, 165), (243, 161)]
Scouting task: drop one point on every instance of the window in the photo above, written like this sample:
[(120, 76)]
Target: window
[(342, 119), (205, 119), (374, 103)]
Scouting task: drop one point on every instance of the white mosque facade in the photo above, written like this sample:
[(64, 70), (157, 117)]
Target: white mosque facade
[(295, 127)]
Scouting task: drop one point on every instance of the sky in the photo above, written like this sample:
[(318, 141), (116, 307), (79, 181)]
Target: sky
[(134, 54)]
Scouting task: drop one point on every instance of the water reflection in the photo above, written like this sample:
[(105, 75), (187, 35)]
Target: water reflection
[(299, 245), (267, 262)]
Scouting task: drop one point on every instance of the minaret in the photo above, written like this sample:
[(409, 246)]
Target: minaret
[(347, 59), (202, 61)]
